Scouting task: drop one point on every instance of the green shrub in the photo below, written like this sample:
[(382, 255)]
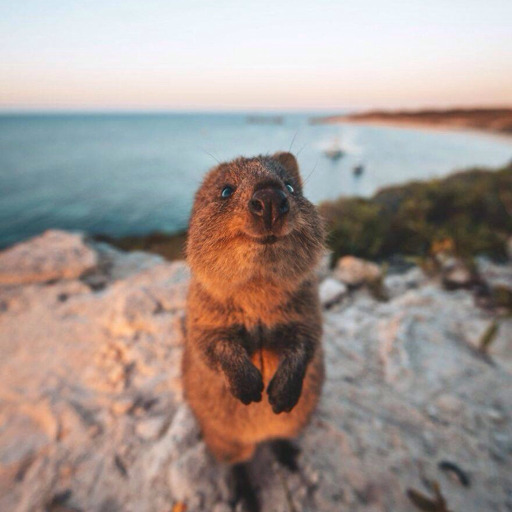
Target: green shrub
[(473, 208)]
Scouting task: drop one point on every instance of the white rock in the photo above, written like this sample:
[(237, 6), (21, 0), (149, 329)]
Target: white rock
[(151, 428), (397, 284), (324, 267), (456, 274), (121, 265), (331, 291), (355, 272), (50, 256), (500, 347), (495, 274), (91, 402)]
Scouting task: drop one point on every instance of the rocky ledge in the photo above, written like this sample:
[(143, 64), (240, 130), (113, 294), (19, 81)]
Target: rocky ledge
[(415, 415)]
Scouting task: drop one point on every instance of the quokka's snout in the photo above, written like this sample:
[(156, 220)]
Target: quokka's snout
[(269, 206)]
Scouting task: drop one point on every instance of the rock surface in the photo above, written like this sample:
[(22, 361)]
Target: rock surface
[(457, 275), (356, 272), (54, 255), (92, 416), (331, 291)]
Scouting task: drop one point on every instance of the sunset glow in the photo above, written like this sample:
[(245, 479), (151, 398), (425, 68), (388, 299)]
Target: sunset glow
[(226, 55)]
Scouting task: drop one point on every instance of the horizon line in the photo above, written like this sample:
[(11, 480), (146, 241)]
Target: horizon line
[(332, 111)]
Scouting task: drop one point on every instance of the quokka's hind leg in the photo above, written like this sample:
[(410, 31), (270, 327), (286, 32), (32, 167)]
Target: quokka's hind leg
[(225, 450), (245, 493), (286, 453)]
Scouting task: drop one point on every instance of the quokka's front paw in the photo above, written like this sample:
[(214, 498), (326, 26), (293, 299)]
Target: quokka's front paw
[(284, 390), (246, 384)]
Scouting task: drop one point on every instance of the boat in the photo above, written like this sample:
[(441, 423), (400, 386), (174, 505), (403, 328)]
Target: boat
[(358, 169), (262, 119), (334, 152)]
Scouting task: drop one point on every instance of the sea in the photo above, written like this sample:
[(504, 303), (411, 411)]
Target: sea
[(122, 174)]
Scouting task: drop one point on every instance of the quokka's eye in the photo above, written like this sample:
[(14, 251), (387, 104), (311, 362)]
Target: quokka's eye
[(227, 191), (290, 188)]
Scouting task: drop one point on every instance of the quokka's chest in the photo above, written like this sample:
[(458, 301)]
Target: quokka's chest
[(266, 361), (264, 350)]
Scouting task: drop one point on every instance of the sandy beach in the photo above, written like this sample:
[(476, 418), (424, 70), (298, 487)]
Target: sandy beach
[(495, 121)]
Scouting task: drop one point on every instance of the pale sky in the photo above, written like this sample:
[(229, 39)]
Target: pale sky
[(244, 55)]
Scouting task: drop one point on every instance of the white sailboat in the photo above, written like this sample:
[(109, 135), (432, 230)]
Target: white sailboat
[(334, 152)]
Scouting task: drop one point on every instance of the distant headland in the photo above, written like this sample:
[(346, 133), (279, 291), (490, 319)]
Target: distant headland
[(496, 120)]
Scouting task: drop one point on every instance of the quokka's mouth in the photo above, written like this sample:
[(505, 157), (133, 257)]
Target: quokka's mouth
[(268, 240), (264, 240)]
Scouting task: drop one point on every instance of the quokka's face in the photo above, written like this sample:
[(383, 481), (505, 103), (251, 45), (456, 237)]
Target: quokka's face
[(249, 216), (257, 200)]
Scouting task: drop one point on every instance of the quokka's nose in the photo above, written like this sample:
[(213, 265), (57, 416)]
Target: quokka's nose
[(270, 204)]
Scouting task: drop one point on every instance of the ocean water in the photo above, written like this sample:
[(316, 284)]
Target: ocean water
[(121, 174)]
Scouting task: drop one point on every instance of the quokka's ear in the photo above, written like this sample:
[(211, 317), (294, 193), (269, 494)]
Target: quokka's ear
[(289, 162)]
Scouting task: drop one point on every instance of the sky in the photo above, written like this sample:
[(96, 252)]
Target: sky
[(248, 55)]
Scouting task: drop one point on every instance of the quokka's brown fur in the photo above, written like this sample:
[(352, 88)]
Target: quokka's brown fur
[(253, 315)]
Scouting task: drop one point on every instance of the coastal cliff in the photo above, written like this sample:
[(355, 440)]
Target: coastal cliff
[(497, 120), (416, 408)]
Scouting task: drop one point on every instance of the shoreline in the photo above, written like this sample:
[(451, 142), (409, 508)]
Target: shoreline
[(427, 127), (353, 212), (494, 122), (347, 216)]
